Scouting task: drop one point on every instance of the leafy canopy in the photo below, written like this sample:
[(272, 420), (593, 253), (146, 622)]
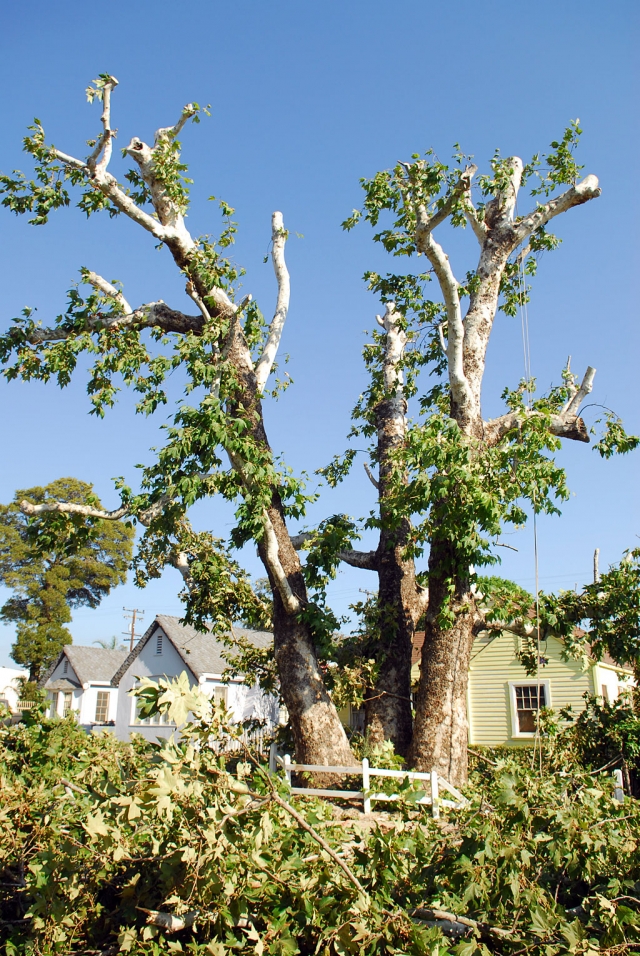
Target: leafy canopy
[(55, 566)]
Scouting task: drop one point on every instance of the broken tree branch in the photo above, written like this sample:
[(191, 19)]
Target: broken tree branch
[(109, 290), (576, 196), (151, 315), (266, 360), (374, 481)]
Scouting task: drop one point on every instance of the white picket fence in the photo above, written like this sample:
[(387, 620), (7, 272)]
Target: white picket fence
[(434, 781)]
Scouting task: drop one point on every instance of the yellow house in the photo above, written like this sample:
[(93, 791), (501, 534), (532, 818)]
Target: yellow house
[(503, 699)]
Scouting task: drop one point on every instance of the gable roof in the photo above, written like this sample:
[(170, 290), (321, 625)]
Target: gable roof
[(201, 652), (88, 663)]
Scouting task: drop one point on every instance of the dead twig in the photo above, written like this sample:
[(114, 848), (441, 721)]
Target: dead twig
[(429, 914)]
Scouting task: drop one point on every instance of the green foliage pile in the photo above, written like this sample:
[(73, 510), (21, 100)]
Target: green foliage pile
[(97, 837)]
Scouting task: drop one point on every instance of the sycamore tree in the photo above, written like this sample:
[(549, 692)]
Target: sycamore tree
[(450, 480), (217, 444), (447, 481), (53, 569)]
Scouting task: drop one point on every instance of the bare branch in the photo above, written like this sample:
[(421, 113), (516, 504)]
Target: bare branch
[(223, 303), (300, 820), (291, 602), (374, 481), (152, 315), (300, 541), (565, 424), (172, 131), (266, 360), (576, 196), (564, 427), (180, 561), (193, 294), (63, 507), (69, 160), (462, 186), (449, 286), (108, 185), (395, 345), (105, 141), (110, 290), (366, 560), (574, 403), (422, 602), (478, 227)]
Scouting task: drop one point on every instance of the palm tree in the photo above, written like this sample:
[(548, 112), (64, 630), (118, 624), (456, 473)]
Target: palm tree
[(112, 644)]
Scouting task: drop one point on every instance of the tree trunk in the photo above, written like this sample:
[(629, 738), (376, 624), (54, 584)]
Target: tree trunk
[(441, 728), (388, 705), (318, 733)]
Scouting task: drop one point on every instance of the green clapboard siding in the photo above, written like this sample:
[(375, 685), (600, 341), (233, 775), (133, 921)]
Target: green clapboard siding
[(495, 664)]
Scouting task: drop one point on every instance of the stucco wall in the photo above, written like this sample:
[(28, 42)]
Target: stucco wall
[(9, 685), (84, 699), (242, 702), (147, 664)]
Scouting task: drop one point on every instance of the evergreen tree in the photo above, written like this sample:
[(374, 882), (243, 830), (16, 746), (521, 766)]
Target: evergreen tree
[(52, 570)]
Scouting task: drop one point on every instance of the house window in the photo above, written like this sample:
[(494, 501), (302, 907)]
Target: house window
[(159, 643), (220, 693), (102, 707), (157, 720), (526, 701), (605, 693), (67, 697), (65, 666)]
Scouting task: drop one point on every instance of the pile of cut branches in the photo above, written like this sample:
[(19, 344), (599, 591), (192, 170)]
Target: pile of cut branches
[(108, 847)]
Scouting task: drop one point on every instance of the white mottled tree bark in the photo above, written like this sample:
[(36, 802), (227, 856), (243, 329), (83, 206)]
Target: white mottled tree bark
[(319, 735), (441, 725)]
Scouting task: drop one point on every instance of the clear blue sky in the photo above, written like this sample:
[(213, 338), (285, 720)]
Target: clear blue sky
[(306, 99)]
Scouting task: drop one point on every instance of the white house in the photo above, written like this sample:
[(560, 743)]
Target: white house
[(80, 681), (9, 687), (168, 648)]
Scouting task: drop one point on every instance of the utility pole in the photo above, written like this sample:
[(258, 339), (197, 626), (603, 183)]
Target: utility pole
[(596, 565), (131, 633)]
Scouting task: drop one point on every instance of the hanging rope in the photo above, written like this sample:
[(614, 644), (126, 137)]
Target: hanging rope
[(526, 350)]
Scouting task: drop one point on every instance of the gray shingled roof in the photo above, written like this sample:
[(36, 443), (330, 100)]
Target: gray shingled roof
[(200, 651), (89, 663)]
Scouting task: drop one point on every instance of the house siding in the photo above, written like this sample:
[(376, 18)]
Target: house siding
[(494, 665)]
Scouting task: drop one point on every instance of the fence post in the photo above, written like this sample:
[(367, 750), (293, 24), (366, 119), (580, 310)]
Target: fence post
[(618, 792), (273, 751), (287, 765), (435, 796), (365, 785)]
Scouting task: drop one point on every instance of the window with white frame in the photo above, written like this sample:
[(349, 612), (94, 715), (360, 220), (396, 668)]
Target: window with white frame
[(526, 700), (156, 720), (102, 706), (67, 698), (220, 693)]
